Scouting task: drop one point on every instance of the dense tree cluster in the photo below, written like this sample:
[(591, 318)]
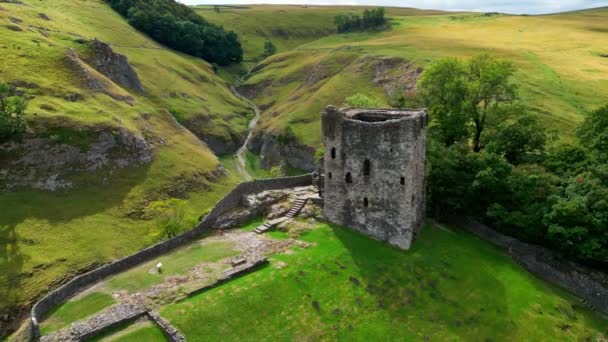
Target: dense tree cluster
[(491, 160), (179, 27), (372, 19), (11, 113)]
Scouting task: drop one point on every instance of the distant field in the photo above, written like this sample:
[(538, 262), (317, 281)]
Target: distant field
[(562, 74), (449, 287)]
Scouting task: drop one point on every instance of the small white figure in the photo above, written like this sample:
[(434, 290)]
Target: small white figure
[(159, 267)]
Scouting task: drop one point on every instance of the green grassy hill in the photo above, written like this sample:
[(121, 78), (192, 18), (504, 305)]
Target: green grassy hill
[(47, 237), (562, 73), (450, 287)]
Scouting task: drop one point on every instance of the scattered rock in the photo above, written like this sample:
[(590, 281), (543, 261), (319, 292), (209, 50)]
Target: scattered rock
[(14, 28), (81, 41), (316, 305), (44, 16), (354, 281), (47, 107), (15, 20), (74, 97)]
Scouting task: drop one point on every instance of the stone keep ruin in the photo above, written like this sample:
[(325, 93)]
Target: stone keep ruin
[(375, 171)]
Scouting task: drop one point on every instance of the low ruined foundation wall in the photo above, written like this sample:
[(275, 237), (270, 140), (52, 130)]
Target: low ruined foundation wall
[(60, 295), (589, 285)]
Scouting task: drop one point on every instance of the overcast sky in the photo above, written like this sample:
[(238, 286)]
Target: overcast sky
[(514, 6)]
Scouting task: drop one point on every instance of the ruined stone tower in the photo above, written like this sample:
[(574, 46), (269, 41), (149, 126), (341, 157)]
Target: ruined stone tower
[(375, 166)]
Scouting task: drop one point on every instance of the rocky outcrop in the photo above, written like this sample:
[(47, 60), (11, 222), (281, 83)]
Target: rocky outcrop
[(220, 144), (93, 80), (114, 66), (395, 75), (275, 151), (43, 163)]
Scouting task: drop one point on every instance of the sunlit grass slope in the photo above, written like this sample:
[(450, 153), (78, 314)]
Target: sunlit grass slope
[(286, 26), (561, 71), (449, 287), (47, 237)]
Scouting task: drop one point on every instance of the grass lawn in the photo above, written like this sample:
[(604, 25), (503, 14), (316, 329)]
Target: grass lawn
[(144, 331), (174, 263), (75, 310), (450, 286)]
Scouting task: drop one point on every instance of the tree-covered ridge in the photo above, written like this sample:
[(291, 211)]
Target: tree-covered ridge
[(372, 19), (180, 28), (491, 159)]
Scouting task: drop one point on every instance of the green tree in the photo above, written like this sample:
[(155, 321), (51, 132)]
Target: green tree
[(179, 27), (269, 48), (521, 141), (521, 212), (12, 108), (442, 88), (465, 98), (593, 133), (578, 220)]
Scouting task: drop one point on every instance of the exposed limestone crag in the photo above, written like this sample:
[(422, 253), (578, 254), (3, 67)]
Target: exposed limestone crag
[(114, 66), (274, 152), (42, 163)]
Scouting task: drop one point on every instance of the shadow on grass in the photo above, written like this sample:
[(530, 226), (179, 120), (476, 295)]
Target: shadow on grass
[(88, 197), (433, 282)]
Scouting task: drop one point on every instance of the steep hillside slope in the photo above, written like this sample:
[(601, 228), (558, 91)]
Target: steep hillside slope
[(92, 110), (563, 71), (286, 26)]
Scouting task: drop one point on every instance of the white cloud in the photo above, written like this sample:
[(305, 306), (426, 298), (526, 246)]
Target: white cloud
[(514, 6)]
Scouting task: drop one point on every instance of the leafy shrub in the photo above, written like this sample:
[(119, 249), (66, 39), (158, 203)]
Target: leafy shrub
[(361, 101), (269, 48), (169, 216), (12, 123)]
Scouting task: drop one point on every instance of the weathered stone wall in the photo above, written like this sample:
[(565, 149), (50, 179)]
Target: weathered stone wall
[(590, 285), (60, 295), (375, 170)]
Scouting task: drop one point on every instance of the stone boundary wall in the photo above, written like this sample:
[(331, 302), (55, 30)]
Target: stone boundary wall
[(589, 285), (60, 295), (168, 330)]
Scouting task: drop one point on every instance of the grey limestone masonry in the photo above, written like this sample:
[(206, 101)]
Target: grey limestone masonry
[(375, 171)]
